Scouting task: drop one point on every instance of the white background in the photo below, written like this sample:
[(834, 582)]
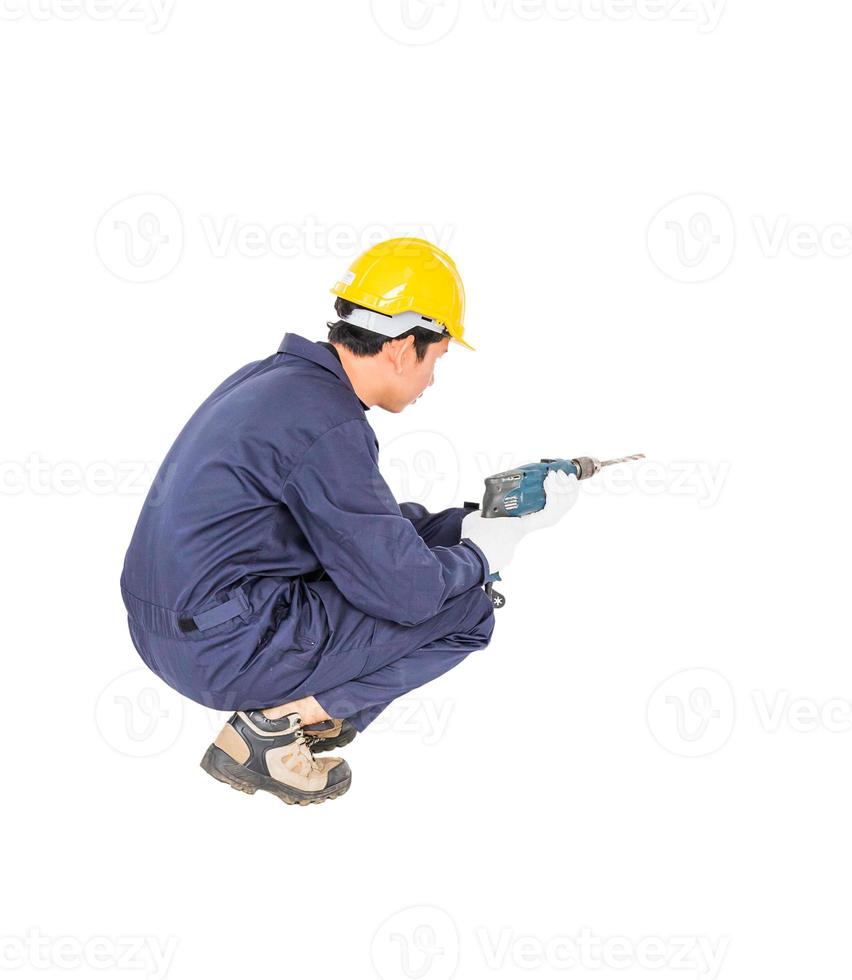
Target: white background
[(649, 203)]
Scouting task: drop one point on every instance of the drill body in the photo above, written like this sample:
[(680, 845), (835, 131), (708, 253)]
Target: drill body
[(520, 491)]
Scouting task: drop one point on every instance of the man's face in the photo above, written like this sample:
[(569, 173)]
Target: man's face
[(408, 378)]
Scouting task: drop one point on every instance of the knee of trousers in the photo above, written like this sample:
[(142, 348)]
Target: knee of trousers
[(478, 619)]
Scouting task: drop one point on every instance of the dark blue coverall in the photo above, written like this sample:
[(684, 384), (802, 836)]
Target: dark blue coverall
[(271, 562)]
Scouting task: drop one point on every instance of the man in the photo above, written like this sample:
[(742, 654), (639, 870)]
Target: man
[(273, 574)]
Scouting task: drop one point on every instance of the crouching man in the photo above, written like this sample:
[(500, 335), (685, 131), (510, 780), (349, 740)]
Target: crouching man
[(273, 574)]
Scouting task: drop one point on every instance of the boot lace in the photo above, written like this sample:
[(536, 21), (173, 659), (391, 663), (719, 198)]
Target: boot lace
[(301, 750)]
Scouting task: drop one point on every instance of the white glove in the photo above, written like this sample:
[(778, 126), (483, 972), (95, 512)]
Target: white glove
[(498, 536)]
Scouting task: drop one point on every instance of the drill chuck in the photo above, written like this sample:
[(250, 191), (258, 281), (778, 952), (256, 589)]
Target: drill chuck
[(586, 466)]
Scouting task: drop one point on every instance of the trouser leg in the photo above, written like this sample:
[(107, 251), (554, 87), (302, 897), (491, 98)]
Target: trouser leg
[(402, 658), (443, 528), (377, 690)]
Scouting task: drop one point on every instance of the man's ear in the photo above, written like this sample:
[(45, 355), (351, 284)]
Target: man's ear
[(399, 352)]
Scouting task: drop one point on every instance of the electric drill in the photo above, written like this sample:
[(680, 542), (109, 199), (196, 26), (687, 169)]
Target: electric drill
[(520, 491)]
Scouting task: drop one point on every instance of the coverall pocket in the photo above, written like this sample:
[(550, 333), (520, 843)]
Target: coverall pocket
[(283, 639), (294, 627)]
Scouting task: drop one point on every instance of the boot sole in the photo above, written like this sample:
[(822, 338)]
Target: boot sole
[(222, 767)]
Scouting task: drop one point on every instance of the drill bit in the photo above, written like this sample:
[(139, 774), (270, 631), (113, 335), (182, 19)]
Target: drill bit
[(622, 459)]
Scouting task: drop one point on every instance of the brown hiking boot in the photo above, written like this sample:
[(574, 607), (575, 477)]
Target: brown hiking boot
[(252, 752), (327, 735)]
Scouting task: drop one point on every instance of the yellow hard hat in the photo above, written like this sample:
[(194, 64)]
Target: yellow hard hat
[(410, 280)]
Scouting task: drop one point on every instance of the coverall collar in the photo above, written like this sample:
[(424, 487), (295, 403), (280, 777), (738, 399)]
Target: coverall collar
[(302, 347)]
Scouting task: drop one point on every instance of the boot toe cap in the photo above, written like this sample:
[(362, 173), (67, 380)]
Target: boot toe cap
[(338, 771)]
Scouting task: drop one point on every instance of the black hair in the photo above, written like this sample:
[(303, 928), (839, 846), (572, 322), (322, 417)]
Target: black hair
[(365, 343)]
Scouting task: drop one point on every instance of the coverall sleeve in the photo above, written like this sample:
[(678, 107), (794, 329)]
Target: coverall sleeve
[(441, 528), (368, 548)]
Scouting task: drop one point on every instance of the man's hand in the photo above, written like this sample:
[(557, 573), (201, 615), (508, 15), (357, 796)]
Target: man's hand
[(498, 536)]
